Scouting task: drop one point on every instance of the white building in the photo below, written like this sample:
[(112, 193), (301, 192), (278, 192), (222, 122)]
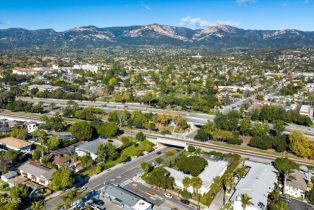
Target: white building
[(257, 184), (211, 171), (36, 172), (31, 126), (306, 110), (296, 185), (125, 199), (87, 67)]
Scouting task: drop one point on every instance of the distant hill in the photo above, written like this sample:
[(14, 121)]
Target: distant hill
[(213, 37)]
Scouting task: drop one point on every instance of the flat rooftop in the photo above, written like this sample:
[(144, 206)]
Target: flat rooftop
[(212, 170), (258, 183)]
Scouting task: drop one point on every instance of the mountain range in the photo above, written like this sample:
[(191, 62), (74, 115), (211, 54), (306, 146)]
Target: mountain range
[(212, 37)]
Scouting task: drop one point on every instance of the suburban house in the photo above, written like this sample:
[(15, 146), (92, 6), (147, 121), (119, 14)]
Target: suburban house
[(258, 183), (61, 160), (306, 110), (296, 186), (31, 126), (125, 199), (36, 172), (213, 169), (63, 136), (89, 148), (16, 144), (8, 177)]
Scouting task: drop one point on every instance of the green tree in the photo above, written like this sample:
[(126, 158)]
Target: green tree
[(112, 82), (245, 126), (185, 194), (186, 182), (196, 184), (279, 126), (285, 167), (310, 196), (53, 143), (120, 116), (106, 152), (83, 131), (140, 136), (61, 179), (259, 129), (161, 178), (54, 123), (19, 132), (146, 167), (299, 143), (107, 129), (191, 148)]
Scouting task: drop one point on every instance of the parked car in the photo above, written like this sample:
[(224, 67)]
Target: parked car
[(168, 195)]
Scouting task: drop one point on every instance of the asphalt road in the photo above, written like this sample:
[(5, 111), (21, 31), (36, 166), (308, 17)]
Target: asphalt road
[(197, 118), (118, 175), (157, 197)]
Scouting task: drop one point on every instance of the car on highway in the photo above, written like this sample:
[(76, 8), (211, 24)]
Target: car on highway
[(187, 202), (168, 195), (158, 153), (82, 189)]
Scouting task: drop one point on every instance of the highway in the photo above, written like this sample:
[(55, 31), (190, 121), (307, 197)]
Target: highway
[(197, 118)]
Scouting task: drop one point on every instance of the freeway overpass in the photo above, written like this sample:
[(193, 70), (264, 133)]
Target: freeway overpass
[(184, 142)]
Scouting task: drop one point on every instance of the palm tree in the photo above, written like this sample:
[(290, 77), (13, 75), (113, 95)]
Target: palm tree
[(246, 201), (65, 202), (38, 205), (228, 182), (196, 184), (186, 182)]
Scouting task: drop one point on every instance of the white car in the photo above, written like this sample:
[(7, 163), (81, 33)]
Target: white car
[(168, 195)]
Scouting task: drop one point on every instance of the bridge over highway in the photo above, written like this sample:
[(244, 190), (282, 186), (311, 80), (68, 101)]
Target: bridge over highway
[(184, 142)]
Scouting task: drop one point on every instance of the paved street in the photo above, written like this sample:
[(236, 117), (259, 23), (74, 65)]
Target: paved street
[(118, 175), (157, 197)]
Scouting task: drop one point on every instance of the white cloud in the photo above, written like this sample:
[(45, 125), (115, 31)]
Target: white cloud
[(197, 22), (245, 1), (145, 6), (194, 22)]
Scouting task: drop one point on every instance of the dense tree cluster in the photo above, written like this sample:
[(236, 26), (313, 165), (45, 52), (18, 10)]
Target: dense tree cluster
[(272, 113), (193, 165), (160, 177)]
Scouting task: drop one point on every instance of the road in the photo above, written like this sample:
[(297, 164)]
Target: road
[(197, 118), (118, 175)]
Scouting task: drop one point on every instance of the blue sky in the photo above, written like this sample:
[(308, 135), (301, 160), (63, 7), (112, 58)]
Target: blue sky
[(249, 14)]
